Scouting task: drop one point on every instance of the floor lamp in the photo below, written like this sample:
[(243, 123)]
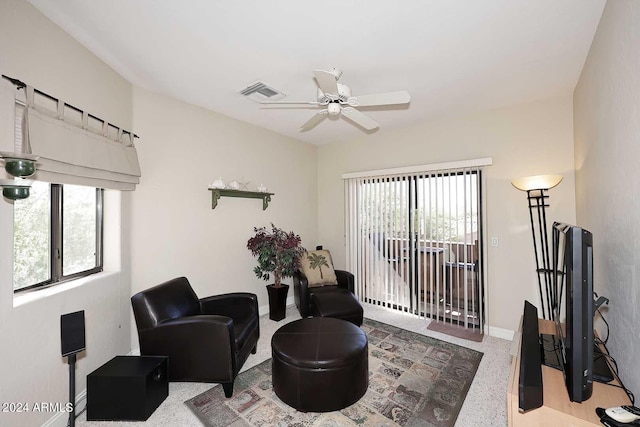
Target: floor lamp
[(536, 188)]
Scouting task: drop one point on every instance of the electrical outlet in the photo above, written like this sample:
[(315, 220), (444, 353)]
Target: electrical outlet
[(495, 242)]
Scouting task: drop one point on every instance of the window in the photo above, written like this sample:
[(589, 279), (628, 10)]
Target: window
[(57, 235)]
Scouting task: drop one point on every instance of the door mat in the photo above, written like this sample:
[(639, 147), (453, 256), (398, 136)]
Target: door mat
[(471, 334), (414, 380)]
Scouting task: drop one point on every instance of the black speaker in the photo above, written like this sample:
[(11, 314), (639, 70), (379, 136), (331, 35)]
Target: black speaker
[(72, 333), (127, 388), (530, 389)]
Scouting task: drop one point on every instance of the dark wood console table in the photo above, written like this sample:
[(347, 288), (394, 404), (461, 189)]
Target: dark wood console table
[(557, 409)]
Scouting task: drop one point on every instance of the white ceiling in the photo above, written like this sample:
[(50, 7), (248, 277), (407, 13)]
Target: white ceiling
[(453, 56)]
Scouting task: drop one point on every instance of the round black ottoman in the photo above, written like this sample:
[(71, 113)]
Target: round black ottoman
[(320, 364)]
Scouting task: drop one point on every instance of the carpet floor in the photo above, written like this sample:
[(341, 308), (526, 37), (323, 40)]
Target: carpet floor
[(414, 380), (484, 406)]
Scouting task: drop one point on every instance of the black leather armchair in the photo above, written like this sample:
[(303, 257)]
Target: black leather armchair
[(206, 340), (303, 294)]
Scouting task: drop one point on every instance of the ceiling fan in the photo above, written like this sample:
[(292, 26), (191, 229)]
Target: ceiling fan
[(337, 101)]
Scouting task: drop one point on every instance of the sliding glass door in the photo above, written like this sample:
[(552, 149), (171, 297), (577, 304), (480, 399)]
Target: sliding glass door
[(415, 240)]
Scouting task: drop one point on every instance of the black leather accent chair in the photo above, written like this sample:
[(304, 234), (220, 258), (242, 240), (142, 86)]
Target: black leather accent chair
[(336, 301), (206, 340)]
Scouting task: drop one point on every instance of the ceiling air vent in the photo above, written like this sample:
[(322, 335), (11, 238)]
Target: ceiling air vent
[(260, 91)]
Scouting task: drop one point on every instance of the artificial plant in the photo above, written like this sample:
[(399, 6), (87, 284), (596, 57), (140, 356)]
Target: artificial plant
[(278, 252)]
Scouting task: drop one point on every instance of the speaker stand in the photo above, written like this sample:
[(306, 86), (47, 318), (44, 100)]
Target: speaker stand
[(71, 359)]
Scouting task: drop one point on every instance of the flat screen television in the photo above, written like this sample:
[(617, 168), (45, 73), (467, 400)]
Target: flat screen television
[(573, 306)]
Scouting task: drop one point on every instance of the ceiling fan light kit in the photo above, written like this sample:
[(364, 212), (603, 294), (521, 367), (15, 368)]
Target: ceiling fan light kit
[(337, 99), (333, 109)]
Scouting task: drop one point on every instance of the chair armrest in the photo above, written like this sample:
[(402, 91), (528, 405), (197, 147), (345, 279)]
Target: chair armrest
[(174, 331), (301, 289), (345, 280), (209, 336), (230, 305), (301, 293)]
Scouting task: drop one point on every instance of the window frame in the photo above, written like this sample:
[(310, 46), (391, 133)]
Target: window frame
[(56, 239)]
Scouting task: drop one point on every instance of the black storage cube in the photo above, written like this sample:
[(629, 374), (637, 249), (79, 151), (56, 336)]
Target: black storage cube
[(127, 388)]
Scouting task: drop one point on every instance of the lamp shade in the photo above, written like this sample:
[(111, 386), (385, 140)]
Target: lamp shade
[(536, 182)]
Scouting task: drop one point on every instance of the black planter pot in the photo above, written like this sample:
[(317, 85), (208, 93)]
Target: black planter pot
[(277, 302)]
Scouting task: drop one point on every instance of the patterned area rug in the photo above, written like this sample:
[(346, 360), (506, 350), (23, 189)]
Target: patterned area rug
[(414, 380)]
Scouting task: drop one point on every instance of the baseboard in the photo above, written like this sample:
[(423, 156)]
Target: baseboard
[(61, 419), (505, 334)]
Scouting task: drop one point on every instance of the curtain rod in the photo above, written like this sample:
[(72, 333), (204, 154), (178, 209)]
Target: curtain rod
[(472, 163), (21, 85)]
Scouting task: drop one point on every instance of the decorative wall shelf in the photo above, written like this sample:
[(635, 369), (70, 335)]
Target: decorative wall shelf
[(216, 193)]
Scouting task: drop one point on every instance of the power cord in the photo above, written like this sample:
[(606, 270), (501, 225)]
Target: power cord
[(611, 362), (606, 324), (597, 309)]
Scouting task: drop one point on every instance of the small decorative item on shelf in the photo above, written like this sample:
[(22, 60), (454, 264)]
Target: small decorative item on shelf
[(234, 185), (262, 189), (279, 253), (218, 183), (244, 185)]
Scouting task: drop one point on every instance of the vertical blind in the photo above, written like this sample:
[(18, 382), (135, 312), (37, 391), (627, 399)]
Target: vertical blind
[(414, 239)]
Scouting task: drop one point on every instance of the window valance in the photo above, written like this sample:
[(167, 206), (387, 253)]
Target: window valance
[(74, 146)]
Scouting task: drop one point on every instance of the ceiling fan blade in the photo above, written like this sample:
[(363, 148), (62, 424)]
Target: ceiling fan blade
[(313, 121), (327, 82), (388, 98), (359, 118)]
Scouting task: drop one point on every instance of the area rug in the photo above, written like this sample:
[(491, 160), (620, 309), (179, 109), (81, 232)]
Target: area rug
[(414, 380)]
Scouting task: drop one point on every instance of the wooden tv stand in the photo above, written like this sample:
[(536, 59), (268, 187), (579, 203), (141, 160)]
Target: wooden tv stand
[(557, 410)]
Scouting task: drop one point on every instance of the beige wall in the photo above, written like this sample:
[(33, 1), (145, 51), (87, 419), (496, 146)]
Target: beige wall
[(31, 367), (530, 139), (168, 228), (607, 156), (169, 219), (174, 230)]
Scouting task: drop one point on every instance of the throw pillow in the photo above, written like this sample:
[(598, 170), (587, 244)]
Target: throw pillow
[(318, 268)]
